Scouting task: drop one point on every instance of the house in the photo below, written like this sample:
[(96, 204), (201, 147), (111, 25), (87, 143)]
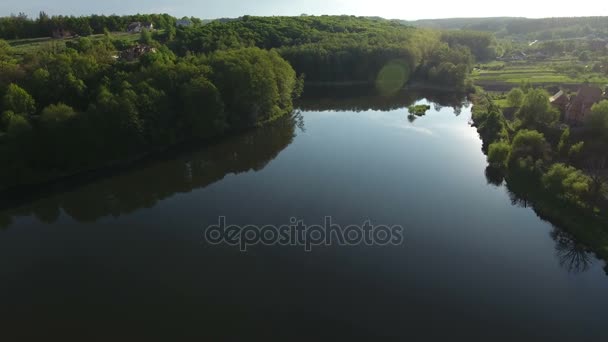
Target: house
[(580, 104), (560, 101), (62, 33), (137, 27), (183, 23), (135, 52)]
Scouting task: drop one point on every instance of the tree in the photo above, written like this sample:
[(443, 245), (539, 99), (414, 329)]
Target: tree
[(5, 119), (19, 130), (515, 97), (536, 110), (567, 182), (5, 50), (498, 154), (564, 141), (597, 121), (19, 101), (145, 37), (54, 117), (529, 149), (203, 112)]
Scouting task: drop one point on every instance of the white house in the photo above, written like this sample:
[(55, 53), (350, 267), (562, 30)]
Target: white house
[(137, 27)]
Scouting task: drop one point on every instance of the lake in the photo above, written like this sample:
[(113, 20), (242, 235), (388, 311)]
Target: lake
[(124, 257)]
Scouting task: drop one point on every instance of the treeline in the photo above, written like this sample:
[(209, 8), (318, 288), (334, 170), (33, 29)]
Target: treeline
[(543, 29), (558, 169), (21, 27), (346, 48), (80, 108)]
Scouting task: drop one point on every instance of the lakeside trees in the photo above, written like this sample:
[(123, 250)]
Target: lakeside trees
[(79, 108), (83, 102), (561, 171)]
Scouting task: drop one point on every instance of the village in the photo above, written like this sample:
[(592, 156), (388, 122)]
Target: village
[(133, 30)]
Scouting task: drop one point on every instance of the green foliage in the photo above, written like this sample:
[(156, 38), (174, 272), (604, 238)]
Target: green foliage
[(203, 112), (564, 140), (145, 37), (490, 122), (536, 110), (576, 150), (418, 110), (567, 182), (54, 116), (20, 27), (481, 44), (597, 121), (529, 150), (19, 101), (340, 48), (515, 97), (19, 128), (498, 154), (256, 85), (5, 119)]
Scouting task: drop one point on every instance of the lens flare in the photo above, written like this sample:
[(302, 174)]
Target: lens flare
[(392, 77)]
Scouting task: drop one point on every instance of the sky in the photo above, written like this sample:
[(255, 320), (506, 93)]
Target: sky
[(391, 9)]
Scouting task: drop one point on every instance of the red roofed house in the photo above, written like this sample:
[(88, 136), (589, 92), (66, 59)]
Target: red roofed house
[(580, 104)]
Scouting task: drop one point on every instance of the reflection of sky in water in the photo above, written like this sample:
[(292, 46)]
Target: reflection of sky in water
[(470, 258)]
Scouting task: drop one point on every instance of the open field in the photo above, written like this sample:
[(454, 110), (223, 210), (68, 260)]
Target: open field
[(24, 46), (563, 71)]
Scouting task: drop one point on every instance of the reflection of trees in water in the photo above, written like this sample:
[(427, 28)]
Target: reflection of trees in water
[(573, 256), (524, 192), (146, 185), (494, 176), (364, 98)]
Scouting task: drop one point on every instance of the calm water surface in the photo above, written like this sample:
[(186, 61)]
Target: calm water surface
[(124, 258)]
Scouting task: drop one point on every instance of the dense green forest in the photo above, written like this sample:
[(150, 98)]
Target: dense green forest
[(347, 48), (21, 27), (75, 109), (75, 104)]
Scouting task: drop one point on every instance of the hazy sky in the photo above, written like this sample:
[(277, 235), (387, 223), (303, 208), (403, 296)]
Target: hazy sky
[(402, 9)]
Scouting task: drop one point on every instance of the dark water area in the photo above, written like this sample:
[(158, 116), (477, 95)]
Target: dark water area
[(124, 257)]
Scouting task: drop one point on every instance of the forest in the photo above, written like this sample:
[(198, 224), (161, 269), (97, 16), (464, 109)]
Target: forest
[(90, 100)]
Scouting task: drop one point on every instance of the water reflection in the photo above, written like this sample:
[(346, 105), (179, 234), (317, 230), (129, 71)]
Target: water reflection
[(363, 98), (494, 176), (524, 192), (573, 256), (148, 184)]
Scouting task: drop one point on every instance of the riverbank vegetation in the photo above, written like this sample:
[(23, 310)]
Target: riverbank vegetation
[(558, 170), (81, 107), (91, 98)]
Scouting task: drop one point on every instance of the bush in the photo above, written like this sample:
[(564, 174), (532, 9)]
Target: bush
[(498, 154)]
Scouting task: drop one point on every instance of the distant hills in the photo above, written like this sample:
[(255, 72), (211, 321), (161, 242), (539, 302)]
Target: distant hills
[(543, 29)]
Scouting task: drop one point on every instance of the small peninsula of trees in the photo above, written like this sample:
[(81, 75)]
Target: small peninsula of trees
[(561, 170)]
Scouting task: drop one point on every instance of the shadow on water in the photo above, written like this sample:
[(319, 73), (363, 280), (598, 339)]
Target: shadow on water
[(145, 185), (524, 192)]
